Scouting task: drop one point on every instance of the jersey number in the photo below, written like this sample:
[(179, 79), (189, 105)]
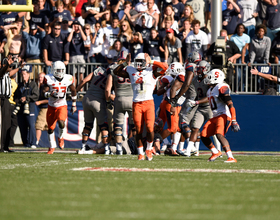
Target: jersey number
[(61, 89), (140, 81), (212, 102), (123, 80), (101, 81)]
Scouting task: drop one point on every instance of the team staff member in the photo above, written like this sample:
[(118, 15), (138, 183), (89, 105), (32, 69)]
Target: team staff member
[(5, 93), (55, 47)]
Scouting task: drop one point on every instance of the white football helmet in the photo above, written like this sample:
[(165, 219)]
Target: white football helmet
[(215, 76), (174, 69), (58, 69), (140, 61)]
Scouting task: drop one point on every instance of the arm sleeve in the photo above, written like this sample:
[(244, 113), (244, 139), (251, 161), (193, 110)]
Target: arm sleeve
[(34, 94), (45, 44), (161, 65), (252, 54), (267, 50)]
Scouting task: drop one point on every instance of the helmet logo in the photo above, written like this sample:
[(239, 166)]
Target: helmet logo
[(217, 74)]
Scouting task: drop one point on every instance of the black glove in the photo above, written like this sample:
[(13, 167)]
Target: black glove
[(109, 104), (173, 101), (235, 126)]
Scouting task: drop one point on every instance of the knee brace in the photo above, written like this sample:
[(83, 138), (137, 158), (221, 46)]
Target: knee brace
[(88, 127), (104, 127), (118, 132), (185, 128)]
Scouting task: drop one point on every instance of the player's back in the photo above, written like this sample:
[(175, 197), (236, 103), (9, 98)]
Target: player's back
[(60, 87), (97, 84), (217, 105)]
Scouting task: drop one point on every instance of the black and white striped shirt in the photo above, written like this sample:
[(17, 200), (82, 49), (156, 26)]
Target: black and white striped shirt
[(6, 86)]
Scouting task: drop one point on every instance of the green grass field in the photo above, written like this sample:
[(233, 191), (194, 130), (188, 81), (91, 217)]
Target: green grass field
[(40, 186)]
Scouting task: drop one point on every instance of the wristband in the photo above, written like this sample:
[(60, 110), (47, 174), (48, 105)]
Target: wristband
[(152, 62), (74, 104), (39, 102), (258, 73), (125, 64), (74, 97), (47, 94), (165, 61), (197, 102)]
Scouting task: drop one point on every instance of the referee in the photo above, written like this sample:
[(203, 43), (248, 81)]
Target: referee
[(5, 93)]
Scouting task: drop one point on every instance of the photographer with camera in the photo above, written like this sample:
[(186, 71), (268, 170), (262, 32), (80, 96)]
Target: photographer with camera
[(223, 54), (26, 94)]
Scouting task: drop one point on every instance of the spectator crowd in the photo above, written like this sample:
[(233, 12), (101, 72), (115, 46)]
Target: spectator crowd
[(83, 32)]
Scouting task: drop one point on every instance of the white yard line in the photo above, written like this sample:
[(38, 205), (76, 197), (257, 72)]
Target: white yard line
[(123, 169)]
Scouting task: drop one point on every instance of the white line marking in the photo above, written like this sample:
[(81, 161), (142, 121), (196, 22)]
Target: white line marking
[(124, 169)]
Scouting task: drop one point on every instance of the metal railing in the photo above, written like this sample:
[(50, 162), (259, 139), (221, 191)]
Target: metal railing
[(243, 82)]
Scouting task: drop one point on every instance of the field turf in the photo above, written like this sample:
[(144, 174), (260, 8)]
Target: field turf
[(40, 186)]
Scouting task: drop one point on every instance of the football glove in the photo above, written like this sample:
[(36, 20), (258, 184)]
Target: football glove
[(173, 101), (73, 109), (191, 103), (235, 126), (109, 105)]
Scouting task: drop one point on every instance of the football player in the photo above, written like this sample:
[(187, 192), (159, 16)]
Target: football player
[(143, 80), (122, 101), (175, 75), (55, 88), (187, 89), (224, 115), (94, 105)]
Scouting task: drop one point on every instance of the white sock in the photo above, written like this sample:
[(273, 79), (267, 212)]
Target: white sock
[(229, 154), (149, 145), (37, 142), (61, 132), (197, 145), (190, 147), (181, 145), (52, 140), (214, 150), (217, 142), (163, 147), (119, 146), (176, 138), (140, 150)]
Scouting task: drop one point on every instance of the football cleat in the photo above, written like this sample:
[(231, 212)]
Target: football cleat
[(215, 156), (61, 143), (231, 160), (119, 152), (108, 151), (50, 151), (180, 152), (141, 157), (149, 155)]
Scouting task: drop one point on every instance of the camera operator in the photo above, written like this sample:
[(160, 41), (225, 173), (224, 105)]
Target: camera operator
[(5, 93), (232, 53), (26, 94)]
